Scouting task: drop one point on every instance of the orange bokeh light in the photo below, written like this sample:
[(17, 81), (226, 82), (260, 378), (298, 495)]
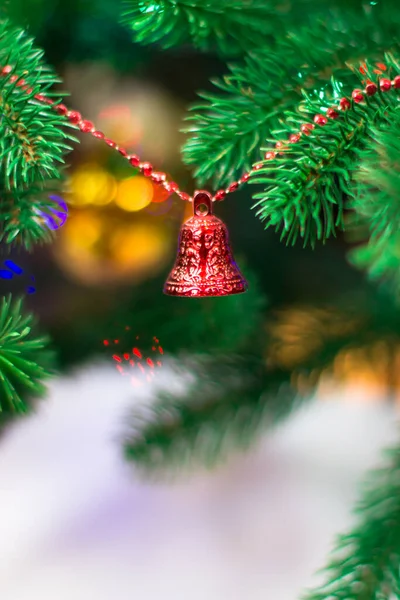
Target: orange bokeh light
[(134, 193)]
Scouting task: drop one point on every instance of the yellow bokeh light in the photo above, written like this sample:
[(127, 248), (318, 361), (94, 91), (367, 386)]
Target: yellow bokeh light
[(83, 230), (134, 193), (139, 245), (91, 185), (103, 247)]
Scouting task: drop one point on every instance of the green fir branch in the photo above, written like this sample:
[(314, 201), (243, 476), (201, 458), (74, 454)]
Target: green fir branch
[(242, 26), (33, 137), (231, 401), (23, 220), (24, 361), (229, 125), (231, 26), (226, 130), (376, 206), (307, 183), (228, 404), (366, 562)]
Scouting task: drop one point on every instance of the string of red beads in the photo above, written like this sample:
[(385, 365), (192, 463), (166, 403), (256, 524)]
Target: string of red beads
[(147, 169), (221, 194), (357, 95), (75, 118)]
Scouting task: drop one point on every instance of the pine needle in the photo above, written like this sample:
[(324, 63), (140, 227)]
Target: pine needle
[(23, 358)]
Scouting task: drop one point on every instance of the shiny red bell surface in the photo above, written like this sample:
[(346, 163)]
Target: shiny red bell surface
[(205, 265)]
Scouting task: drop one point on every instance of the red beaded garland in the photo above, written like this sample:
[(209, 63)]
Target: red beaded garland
[(306, 128), (61, 109), (86, 126), (134, 160), (331, 113), (385, 84), (357, 96), (184, 196), (146, 168), (320, 120), (371, 89), (171, 186), (344, 104), (110, 143), (220, 195), (74, 116), (158, 177)]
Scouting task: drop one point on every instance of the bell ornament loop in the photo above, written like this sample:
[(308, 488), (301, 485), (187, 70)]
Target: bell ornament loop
[(204, 265), (202, 204)]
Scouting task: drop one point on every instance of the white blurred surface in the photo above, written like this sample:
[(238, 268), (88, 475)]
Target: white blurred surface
[(76, 523)]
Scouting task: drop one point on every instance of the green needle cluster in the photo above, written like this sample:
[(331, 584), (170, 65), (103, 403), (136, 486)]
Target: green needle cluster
[(24, 360), (33, 139)]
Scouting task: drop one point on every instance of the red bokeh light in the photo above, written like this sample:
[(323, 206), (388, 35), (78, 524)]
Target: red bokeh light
[(138, 368)]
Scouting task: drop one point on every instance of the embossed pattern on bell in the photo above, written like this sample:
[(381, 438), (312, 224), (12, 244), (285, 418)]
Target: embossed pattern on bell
[(205, 265)]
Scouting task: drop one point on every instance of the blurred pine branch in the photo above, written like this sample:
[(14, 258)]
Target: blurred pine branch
[(366, 561), (233, 399), (376, 205), (24, 359), (230, 26), (33, 138), (228, 127)]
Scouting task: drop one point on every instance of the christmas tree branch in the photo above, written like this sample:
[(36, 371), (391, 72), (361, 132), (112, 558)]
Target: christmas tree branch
[(23, 361), (307, 180), (23, 214), (231, 401), (376, 205), (228, 127), (231, 26), (240, 26), (227, 130), (32, 136), (228, 404), (366, 561)]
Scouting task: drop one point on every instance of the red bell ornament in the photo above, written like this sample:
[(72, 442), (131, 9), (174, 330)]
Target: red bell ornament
[(205, 265)]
